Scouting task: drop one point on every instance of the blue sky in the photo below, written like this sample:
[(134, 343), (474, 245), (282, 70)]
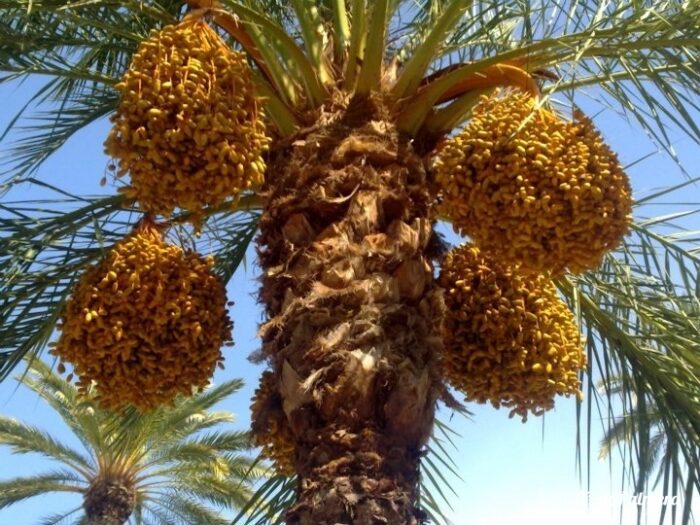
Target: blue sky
[(512, 472)]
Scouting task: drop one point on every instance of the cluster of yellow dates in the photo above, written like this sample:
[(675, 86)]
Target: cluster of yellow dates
[(509, 338), (187, 130), (533, 189), (149, 320), (538, 196), (145, 324), (271, 431)]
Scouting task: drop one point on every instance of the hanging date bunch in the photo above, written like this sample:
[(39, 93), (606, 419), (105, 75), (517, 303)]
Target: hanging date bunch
[(509, 338), (532, 188), (188, 130), (145, 324), (270, 427)]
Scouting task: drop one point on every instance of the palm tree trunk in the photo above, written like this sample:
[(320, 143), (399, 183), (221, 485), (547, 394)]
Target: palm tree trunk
[(354, 316), (109, 500)]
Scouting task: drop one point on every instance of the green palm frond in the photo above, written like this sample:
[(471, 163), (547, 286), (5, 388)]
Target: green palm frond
[(174, 436), (43, 246), (244, 467), (641, 314), (62, 397), (624, 48), (438, 26), (154, 515), (18, 489), (189, 510), (232, 234), (218, 479), (195, 423), (436, 491), (25, 439), (219, 492), (230, 441), (627, 427), (268, 503), (641, 54), (193, 415), (81, 49), (189, 452), (282, 54), (60, 518), (47, 130)]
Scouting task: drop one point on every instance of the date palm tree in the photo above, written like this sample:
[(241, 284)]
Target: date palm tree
[(172, 465), (357, 95)]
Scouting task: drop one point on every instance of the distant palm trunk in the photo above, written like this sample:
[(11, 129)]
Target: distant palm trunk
[(354, 316), (109, 500)]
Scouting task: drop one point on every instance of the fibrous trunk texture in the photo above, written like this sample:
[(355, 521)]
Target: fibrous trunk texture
[(109, 501), (354, 316)]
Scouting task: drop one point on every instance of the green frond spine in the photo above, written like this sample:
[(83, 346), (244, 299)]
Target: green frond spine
[(280, 114), (341, 25), (449, 117), (412, 73), (358, 36), (462, 80), (294, 57), (314, 34), (371, 70)]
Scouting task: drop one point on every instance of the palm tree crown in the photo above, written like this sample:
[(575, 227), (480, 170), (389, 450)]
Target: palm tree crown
[(172, 465)]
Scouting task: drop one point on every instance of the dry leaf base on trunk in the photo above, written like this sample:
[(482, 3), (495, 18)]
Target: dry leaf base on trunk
[(354, 316)]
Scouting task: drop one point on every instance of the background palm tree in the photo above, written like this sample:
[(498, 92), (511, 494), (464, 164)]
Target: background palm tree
[(639, 310), (656, 452), (175, 465)]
